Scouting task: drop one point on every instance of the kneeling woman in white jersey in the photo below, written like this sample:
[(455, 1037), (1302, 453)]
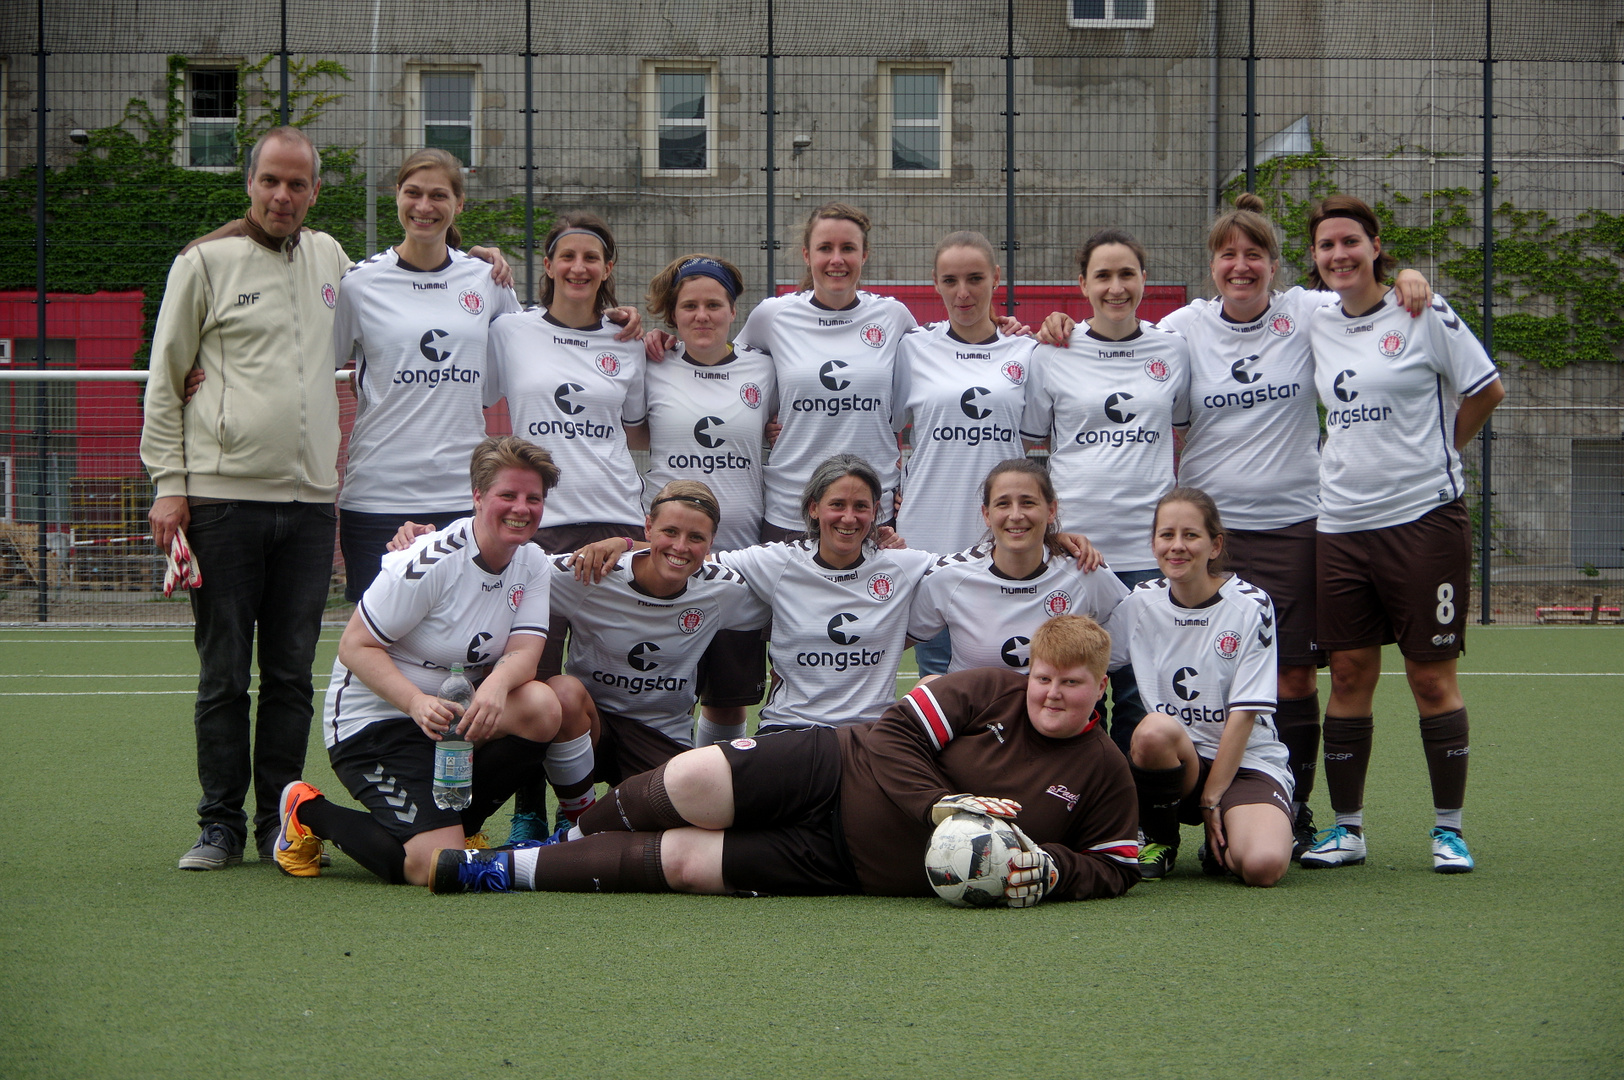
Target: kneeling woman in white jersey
[(990, 596), (1202, 645), (1403, 397), (707, 412), (474, 593), (638, 636)]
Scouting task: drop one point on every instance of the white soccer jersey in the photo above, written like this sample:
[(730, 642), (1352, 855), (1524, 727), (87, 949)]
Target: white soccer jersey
[(1391, 386), (1107, 409), (1252, 431), (838, 635), (992, 617), (965, 402), (705, 423), (433, 606), (636, 654), (837, 376), (574, 392), (418, 341), (1201, 664)]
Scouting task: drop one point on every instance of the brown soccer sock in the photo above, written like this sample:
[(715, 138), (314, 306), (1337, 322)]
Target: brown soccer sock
[(607, 862), (1347, 759), (638, 804), (1447, 746), (1298, 722), (1160, 791)]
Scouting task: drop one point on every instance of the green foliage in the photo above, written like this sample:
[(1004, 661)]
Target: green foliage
[(1558, 287), (120, 212)]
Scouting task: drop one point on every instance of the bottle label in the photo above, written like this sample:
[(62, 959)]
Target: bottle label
[(454, 764)]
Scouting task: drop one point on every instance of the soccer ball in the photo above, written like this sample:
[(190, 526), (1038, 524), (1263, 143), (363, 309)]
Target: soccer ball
[(968, 859)]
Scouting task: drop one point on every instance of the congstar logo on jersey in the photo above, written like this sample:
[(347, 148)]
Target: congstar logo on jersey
[(1189, 714), (846, 659), (1119, 411), (834, 382), (1241, 373), (1246, 399), (1344, 391), (829, 376), (1016, 652), (428, 348), (707, 432), (970, 403)]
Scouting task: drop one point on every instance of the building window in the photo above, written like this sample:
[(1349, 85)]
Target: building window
[(445, 105), (211, 117), (679, 133), (916, 115), (1111, 14)]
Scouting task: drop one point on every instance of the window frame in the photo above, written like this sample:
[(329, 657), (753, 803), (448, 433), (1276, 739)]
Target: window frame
[(417, 120), (183, 148), (1110, 20), (889, 124), (653, 121)]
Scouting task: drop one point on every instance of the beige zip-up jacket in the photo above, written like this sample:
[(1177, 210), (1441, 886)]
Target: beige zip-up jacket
[(256, 314)]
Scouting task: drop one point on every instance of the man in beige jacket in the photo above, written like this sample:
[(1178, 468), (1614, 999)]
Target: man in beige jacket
[(248, 468)]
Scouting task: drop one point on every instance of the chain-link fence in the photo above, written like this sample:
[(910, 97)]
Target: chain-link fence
[(717, 126)]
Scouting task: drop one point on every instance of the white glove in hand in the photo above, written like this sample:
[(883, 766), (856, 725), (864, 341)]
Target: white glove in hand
[(974, 804), (1033, 872)]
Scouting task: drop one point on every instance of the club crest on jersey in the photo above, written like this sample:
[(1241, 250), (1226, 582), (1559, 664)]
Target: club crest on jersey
[(1281, 324), (1014, 371), (515, 596), (691, 620), (880, 586), (750, 394), (329, 295), (472, 302), (609, 364), (1228, 644), (1391, 343), (743, 744), (1056, 603), (873, 335), (1156, 369)]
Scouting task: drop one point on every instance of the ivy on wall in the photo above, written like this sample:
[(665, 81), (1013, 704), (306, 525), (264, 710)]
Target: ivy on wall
[(1558, 287), (120, 212)]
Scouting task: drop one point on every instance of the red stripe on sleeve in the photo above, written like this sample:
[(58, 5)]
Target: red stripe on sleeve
[(929, 711)]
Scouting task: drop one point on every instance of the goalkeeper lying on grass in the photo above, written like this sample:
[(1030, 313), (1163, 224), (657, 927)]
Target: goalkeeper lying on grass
[(851, 810)]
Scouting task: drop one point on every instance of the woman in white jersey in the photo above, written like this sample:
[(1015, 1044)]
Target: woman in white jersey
[(1202, 643), (641, 634), (572, 387), (1105, 404), (1402, 397), (707, 410), (991, 595), (962, 385), (474, 593), (834, 348)]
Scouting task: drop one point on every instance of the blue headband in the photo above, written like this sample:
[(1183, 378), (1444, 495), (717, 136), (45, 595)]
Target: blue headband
[(712, 269)]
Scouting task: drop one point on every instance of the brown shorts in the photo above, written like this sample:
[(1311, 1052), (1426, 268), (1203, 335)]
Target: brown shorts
[(561, 540), (626, 747), (1409, 583), (787, 837), (773, 534), (1281, 563), (1249, 788), (733, 670)]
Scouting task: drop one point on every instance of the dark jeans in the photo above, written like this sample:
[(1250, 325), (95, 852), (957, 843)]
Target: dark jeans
[(1126, 707), (364, 539), (266, 564)]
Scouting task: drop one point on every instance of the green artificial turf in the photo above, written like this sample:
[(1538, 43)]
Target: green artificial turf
[(116, 964)]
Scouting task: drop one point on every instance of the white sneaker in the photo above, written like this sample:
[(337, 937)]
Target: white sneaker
[(1449, 854), (1335, 846)]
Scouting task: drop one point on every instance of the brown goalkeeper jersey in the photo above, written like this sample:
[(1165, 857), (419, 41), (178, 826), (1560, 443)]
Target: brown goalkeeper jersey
[(968, 732)]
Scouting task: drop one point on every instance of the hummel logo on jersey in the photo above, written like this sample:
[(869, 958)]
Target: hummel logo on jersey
[(426, 347), (561, 398), (1362, 328), (702, 432), (830, 381), (839, 636), (421, 285), (638, 656), (1180, 677), (833, 322), (1238, 372), (477, 653), (967, 403), (579, 343), (957, 355), (1016, 652), (1451, 320), (1343, 392), (432, 554), (1113, 408)]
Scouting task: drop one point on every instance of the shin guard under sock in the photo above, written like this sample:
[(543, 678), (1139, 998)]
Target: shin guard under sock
[(1298, 722), (606, 862), (1160, 792), (1347, 759), (638, 804), (357, 835), (1445, 741)]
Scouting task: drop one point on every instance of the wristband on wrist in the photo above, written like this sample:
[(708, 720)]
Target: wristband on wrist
[(629, 542), (1212, 807)]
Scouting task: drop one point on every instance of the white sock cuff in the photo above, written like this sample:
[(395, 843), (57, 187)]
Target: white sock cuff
[(524, 868), (707, 733), (569, 762)]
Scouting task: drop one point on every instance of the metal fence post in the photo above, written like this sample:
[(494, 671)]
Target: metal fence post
[(1486, 485), (770, 244), (1251, 95), (1011, 245), (529, 158), (42, 431), (285, 65)]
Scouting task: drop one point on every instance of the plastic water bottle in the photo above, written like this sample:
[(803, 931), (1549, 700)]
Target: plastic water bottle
[(454, 758)]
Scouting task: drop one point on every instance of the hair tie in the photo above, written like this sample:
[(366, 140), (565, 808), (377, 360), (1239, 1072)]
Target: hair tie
[(576, 231), (712, 269)]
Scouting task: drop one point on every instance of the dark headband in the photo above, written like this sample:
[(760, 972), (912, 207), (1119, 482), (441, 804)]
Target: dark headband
[(1351, 215), (708, 509), (574, 231), (712, 269)]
